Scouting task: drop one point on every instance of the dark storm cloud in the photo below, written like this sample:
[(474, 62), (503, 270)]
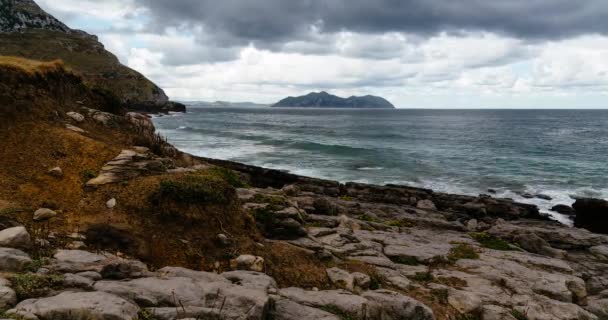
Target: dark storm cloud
[(272, 21)]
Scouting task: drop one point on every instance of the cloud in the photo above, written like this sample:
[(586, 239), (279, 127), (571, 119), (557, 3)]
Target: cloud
[(267, 21)]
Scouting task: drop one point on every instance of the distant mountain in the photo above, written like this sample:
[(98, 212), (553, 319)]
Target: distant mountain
[(326, 100)]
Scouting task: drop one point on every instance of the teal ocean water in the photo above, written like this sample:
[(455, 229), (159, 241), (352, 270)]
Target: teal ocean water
[(558, 153)]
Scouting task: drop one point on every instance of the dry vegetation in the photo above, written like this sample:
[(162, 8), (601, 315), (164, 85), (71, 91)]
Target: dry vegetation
[(31, 67)]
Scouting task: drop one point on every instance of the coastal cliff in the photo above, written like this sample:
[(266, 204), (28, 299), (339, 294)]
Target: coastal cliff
[(28, 31), (101, 217)]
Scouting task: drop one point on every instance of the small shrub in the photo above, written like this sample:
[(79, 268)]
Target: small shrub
[(37, 264), (272, 200), (462, 251), (88, 174), (31, 285), (9, 211), (441, 295), (519, 315), (368, 218), (423, 277), (403, 223), (491, 242), (146, 315), (407, 260), (346, 198), (229, 176), (196, 189)]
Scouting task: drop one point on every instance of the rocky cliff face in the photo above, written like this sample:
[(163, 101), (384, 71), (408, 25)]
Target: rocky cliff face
[(28, 31), (16, 15)]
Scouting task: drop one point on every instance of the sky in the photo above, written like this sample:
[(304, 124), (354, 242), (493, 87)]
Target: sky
[(415, 53)]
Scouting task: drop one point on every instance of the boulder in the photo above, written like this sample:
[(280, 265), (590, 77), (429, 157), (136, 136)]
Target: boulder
[(78, 305), (44, 214), (341, 278), (248, 262), (389, 305), (289, 310), (71, 280), (8, 298), (16, 237), (591, 214), (563, 209), (13, 260), (251, 279), (426, 205)]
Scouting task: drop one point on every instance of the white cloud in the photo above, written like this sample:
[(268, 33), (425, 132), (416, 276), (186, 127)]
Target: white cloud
[(477, 69)]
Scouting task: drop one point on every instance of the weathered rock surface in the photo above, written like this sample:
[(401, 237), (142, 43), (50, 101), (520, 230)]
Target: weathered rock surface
[(44, 214), (78, 305), (13, 260), (16, 237)]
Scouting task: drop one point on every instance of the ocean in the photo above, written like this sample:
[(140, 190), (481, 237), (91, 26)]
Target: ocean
[(562, 154)]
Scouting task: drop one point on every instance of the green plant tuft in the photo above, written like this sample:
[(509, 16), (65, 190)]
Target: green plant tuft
[(229, 176), (196, 189), (88, 174), (462, 251), (31, 285), (491, 242), (407, 260), (519, 315), (423, 277)]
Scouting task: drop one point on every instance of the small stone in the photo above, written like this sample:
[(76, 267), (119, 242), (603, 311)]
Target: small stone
[(76, 245), (74, 128), (16, 237), (223, 240), (44, 214), (426, 205), (111, 203), (71, 280), (248, 262), (56, 172), (75, 116), (472, 225)]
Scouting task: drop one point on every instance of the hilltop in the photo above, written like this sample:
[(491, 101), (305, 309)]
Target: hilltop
[(28, 31), (326, 100)]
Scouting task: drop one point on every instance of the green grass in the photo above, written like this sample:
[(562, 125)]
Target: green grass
[(462, 251), (422, 277), (146, 315), (491, 242), (88, 174), (519, 315), (31, 285), (406, 260), (196, 189), (229, 176), (37, 264), (368, 218), (9, 211), (272, 200), (401, 223)]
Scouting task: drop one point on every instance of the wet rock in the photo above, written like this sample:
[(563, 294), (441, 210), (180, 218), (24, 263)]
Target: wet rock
[(56, 172), (16, 237), (13, 260), (591, 214), (44, 214), (426, 205), (248, 262), (78, 305), (543, 197), (563, 209)]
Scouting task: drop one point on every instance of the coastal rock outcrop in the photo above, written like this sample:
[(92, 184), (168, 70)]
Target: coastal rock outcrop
[(326, 100), (591, 214)]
